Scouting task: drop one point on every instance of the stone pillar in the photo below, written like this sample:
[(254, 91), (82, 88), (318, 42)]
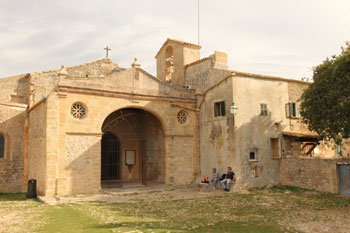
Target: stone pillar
[(52, 132), (61, 182)]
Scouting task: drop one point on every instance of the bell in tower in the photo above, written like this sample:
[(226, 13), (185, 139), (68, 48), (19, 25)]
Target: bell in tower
[(172, 58)]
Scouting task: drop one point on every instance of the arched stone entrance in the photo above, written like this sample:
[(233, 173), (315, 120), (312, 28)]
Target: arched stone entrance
[(132, 149)]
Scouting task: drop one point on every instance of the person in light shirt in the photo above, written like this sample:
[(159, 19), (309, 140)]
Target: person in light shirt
[(215, 178)]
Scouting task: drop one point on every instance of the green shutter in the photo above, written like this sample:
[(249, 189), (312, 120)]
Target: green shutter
[(291, 112), (215, 110), (223, 108)]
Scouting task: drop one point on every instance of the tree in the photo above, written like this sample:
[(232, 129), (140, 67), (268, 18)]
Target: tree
[(325, 104)]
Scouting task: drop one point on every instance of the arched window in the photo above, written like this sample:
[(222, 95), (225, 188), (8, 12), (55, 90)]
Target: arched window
[(169, 52), (2, 146)]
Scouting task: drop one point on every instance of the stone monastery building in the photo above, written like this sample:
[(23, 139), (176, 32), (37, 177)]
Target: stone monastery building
[(84, 128)]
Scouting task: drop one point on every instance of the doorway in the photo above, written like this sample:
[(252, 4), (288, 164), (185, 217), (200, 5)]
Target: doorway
[(344, 179), (110, 160), (140, 158)]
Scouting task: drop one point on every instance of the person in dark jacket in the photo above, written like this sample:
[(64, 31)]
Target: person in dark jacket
[(230, 177)]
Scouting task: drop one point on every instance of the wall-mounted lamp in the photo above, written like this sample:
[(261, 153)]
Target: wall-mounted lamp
[(233, 109)]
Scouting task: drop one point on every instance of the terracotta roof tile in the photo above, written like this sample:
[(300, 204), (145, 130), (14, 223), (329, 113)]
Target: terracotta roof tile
[(197, 62), (301, 134), (244, 74)]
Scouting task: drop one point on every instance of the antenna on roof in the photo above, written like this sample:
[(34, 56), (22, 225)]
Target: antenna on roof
[(198, 22)]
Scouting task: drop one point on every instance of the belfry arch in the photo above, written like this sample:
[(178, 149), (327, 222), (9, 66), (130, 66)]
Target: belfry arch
[(132, 149)]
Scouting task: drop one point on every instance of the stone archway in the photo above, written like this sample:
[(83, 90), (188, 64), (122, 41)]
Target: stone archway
[(142, 154)]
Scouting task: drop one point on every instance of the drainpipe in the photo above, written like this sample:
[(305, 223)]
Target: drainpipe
[(25, 161), (198, 145)]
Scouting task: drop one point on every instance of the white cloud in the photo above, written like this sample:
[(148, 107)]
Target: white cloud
[(282, 38)]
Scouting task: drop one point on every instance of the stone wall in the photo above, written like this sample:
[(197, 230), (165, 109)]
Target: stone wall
[(97, 68), (74, 149), (37, 147), (295, 90), (12, 120), (311, 173), (179, 160), (83, 163), (12, 165), (253, 131), (202, 75), (14, 89), (217, 133), (41, 85)]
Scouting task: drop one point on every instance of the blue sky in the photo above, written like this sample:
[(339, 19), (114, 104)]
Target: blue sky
[(272, 37)]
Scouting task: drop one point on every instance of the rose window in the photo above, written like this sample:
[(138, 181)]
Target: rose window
[(182, 117), (78, 111)]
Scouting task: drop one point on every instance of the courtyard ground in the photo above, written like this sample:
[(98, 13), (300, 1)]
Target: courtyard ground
[(180, 209)]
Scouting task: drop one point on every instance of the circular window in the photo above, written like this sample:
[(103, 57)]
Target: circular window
[(182, 117), (78, 111)]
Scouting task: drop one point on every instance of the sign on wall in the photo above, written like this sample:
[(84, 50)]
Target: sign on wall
[(130, 157)]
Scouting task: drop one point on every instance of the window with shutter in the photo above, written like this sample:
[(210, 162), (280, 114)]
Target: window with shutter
[(292, 110), (223, 108), (216, 109), (219, 109)]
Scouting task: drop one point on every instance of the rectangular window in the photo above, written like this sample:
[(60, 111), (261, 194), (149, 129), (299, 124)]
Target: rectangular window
[(275, 148), (219, 109), (253, 156), (263, 109), (292, 110), (2, 146)]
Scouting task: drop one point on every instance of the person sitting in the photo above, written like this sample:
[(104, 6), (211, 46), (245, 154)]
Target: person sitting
[(215, 178), (230, 177)]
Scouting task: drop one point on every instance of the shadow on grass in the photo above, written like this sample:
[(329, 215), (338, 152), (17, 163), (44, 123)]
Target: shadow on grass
[(223, 226), (289, 188), (127, 226), (13, 197)]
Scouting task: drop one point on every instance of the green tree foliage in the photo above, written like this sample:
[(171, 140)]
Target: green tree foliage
[(325, 105)]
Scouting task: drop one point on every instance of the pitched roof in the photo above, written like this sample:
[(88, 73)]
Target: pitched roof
[(187, 44), (244, 74), (300, 134), (73, 67), (198, 61)]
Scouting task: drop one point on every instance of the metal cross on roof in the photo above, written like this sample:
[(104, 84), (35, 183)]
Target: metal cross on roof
[(107, 49)]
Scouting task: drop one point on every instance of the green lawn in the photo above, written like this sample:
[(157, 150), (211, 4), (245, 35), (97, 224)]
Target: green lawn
[(281, 209)]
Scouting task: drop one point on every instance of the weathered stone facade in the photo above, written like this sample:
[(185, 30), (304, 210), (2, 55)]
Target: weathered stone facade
[(79, 129), (311, 173)]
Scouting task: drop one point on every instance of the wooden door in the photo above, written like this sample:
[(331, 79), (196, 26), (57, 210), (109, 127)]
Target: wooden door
[(144, 162)]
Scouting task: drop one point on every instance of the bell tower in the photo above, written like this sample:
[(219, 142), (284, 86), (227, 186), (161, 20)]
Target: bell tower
[(172, 58)]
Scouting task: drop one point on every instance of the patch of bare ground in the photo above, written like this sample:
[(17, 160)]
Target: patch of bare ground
[(328, 221), (19, 216), (185, 208)]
